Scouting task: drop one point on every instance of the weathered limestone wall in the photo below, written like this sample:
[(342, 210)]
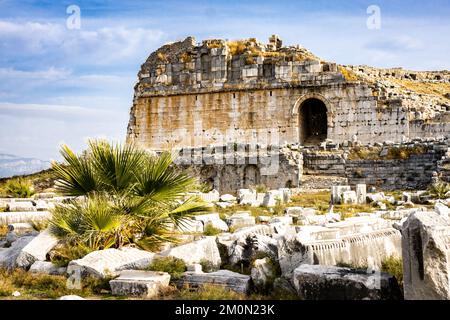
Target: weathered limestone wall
[(228, 171), (196, 120), (414, 172)]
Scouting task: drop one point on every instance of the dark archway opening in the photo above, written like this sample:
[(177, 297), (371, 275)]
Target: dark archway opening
[(313, 122)]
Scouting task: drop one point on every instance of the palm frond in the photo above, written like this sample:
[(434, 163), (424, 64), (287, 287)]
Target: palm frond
[(116, 165), (161, 181), (75, 176), (96, 222)]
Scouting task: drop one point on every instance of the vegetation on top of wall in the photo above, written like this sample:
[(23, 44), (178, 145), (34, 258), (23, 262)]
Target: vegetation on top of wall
[(393, 153), (237, 47), (349, 75)]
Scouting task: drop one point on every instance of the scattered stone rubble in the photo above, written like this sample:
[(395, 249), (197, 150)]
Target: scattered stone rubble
[(297, 253)]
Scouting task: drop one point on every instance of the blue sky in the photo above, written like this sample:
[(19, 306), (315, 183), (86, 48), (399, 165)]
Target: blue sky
[(60, 85)]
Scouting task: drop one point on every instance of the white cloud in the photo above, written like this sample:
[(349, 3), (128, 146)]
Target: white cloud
[(100, 46), (49, 74), (56, 112)]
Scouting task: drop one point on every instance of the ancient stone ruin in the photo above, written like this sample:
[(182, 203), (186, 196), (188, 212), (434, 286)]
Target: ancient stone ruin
[(321, 181), (236, 107)]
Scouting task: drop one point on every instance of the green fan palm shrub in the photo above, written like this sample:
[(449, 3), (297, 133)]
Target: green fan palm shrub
[(128, 196), (19, 188)]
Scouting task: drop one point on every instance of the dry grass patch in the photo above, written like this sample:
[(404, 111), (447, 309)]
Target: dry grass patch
[(318, 200), (3, 230), (348, 74), (432, 88), (41, 286)]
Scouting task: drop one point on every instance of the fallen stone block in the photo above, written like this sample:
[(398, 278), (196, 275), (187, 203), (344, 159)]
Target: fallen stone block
[(197, 252), (349, 197), (227, 198), (109, 262), (426, 256), (9, 256), (139, 283), (212, 196), (442, 210), (21, 228), (316, 282), (36, 249), (223, 278), (241, 220), (272, 198), (224, 205), (361, 193), (21, 206), (337, 192), (47, 267), (212, 219), (7, 218), (42, 205), (376, 197), (246, 197)]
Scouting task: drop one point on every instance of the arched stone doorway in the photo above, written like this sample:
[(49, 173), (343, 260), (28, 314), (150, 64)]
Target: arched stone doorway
[(312, 121)]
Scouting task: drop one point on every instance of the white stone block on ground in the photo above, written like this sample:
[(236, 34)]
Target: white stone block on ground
[(110, 262), (349, 197), (212, 196), (336, 193), (272, 198), (442, 210), (47, 267), (361, 193), (196, 252), (212, 219), (139, 283), (241, 220), (227, 198), (9, 256), (246, 197), (36, 249), (7, 218), (316, 282), (223, 278), (21, 228), (21, 206)]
